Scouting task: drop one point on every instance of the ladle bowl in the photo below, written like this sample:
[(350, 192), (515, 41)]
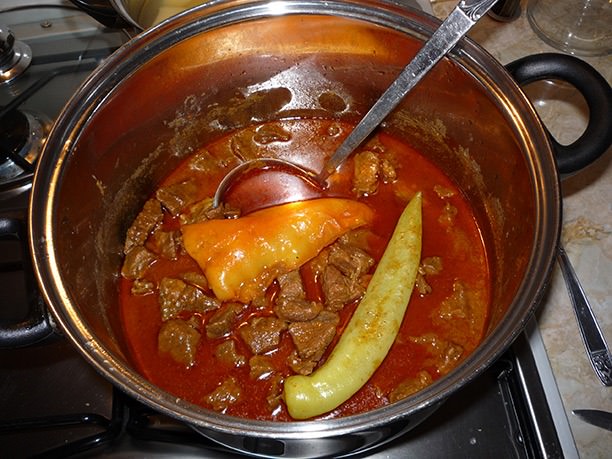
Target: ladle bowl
[(455, 26)]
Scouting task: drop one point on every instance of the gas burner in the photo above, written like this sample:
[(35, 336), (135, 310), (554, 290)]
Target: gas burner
[(22, 137), (15, 56)]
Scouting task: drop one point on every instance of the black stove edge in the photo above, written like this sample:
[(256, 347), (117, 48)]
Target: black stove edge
[(544, 433)]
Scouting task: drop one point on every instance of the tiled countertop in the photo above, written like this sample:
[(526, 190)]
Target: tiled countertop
[(587, 229)]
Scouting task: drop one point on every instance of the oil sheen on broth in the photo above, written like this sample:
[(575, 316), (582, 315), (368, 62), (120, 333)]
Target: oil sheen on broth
[(233, 354)]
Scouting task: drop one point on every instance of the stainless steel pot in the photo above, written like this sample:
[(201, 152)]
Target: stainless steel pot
[(230, 64)]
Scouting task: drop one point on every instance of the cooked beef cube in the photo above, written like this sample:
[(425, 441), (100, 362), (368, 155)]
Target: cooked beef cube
[(178, 196), (226, 352), (359, 238), (421, 284), (142, 287), (429, 266), (260, 302), (291, 303), (300, 366), (387, 170), (456, 306), (223, 320), (451, 355), (175, 296), (338, 289), (312, 338), (447, 217), (351, 261), (145, 222), (291, 285), (261, 366), (204, 162), (275, 395), (136, 262), (166, 243), (203, 210), (366, 170), (410, 386), (294, 309), (443, 354), (180, 339), (226, 394), (443, 192), (262, 334), (196, 279)]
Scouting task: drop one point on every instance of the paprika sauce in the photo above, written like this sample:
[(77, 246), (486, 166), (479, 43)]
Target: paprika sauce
[(232, 355)]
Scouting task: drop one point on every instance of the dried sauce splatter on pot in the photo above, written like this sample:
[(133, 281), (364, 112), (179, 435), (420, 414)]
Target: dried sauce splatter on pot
[(232, 356)]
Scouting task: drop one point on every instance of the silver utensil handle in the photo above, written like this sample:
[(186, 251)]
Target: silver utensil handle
[(592, 336), (454, 27)]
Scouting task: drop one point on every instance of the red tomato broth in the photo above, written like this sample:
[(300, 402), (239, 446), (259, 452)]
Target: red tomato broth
[(465, 260)]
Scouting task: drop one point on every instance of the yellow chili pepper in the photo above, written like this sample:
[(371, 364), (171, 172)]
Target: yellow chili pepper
[(372, 329)]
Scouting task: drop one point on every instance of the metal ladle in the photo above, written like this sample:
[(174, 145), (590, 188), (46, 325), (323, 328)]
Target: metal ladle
[(454, 27)]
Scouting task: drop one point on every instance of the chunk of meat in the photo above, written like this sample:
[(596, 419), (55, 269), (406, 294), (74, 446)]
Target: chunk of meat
[(143, 225), (448, 215), (311, 338), (166, 243), (295, 309), (338, 289), (180, 339), (196, 279), (136, 262), (261, 367), (291, 285), (204, 161), (241, 257), (388, 174), (456, 306), (228, 393), (175, 297), (275, 394), (410, 386), (371, 166), (142, 287), (226, 353), (366, 169), (223, 320), (443, 354), (299, 365), (443, 192), (351, 261), (178, 196), (429, 266), (262, 334), (203, 210)]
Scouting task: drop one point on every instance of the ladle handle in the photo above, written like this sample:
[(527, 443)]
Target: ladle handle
[(454, 27)]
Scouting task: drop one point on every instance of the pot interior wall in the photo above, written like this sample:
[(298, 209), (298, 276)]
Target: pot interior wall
[(223, 79)]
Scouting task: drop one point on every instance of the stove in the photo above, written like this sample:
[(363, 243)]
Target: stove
[(53, 404)]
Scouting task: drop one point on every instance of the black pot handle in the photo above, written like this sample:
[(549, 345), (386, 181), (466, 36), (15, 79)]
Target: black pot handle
[(597, 93), (36, 326)]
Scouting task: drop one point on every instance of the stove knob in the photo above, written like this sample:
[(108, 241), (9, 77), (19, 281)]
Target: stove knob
[(15, 56)]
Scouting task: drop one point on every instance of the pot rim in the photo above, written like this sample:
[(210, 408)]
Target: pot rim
[(99, 86)]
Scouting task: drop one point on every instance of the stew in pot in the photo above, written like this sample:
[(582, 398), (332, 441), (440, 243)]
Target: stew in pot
[(220, 308)]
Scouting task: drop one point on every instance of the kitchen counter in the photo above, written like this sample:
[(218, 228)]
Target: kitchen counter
[(587, 228)]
